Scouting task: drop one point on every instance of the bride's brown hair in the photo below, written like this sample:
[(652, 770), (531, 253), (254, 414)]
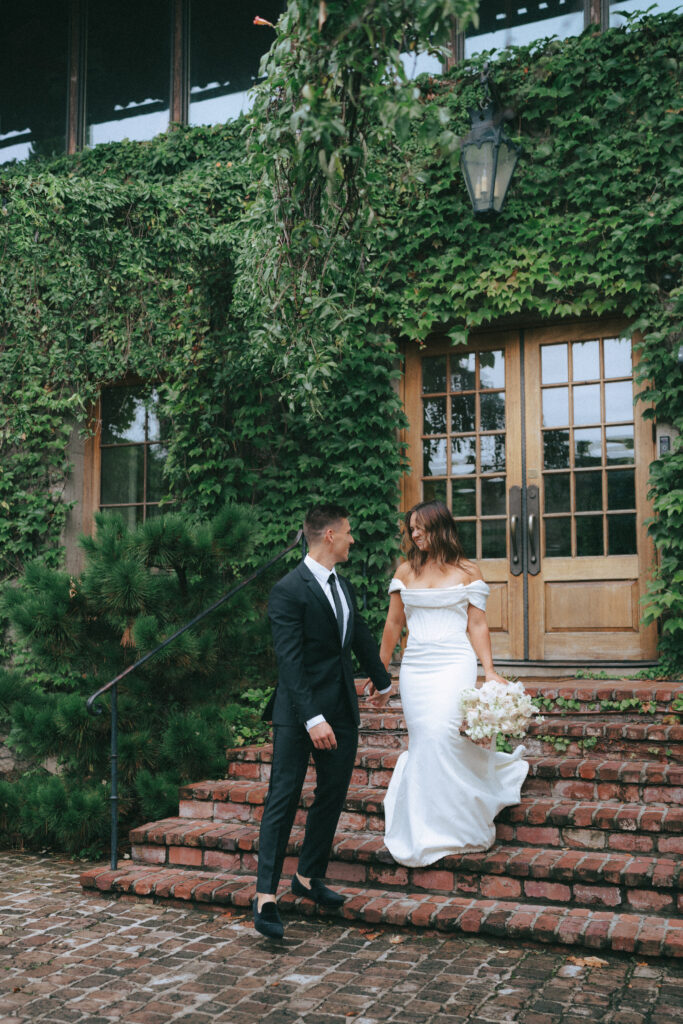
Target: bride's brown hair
[(441, 531)]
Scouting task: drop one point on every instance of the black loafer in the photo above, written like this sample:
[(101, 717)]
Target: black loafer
[(267, 921), (318, 892)]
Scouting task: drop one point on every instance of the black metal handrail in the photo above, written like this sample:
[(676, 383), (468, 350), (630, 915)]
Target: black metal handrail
[(90, 703)]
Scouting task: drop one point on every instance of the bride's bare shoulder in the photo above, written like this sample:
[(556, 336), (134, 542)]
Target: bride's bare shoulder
[(472, 569), (403, 572)]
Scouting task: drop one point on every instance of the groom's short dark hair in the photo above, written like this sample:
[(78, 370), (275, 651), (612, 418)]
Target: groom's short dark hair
[(320, 517)]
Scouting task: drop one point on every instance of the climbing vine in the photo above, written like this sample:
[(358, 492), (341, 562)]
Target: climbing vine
[(262, 272)]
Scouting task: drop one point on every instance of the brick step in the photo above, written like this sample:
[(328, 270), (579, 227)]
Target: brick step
[(576, 926), (588, 691), (607, 710), (388, 720), (634, 737), (584, 778), (633, 727), (579, 778), (620, 727), (643, 712), (530, 875), (649, 701), (535, 821), (626, 741), (620, 738), (374, 765), (593, 825)]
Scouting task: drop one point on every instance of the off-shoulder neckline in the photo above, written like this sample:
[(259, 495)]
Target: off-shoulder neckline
[(453, 586)]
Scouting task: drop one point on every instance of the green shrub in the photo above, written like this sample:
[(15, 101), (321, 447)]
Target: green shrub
[(177, 713)]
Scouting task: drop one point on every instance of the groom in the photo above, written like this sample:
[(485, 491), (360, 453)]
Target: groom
[(315, 626)]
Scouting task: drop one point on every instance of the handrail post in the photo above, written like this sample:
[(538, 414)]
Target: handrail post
[(114, 798)]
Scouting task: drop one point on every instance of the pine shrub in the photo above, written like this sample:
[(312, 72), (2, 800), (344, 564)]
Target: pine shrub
[(177, 713)]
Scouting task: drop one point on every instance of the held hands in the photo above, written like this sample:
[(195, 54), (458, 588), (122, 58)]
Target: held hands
[(378, 700), (322, 737)]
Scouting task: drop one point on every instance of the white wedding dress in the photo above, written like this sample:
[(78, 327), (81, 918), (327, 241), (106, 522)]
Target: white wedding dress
[(445, 790)]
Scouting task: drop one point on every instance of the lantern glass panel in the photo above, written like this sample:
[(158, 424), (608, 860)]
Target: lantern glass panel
[(507, 160), (478, 162)]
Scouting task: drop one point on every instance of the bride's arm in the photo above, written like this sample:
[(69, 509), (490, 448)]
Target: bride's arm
[(396, 620), (480, 638)]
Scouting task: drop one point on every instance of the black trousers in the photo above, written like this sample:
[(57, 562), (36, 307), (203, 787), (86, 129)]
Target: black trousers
[(292, 748)]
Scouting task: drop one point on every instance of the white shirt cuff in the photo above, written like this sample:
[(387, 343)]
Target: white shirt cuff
[(317, 720), (385, 690)]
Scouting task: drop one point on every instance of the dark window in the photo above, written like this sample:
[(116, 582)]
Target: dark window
[(630, 6), (128, 76), (132, 453), (34, 43), (519, 22), (225, 52)]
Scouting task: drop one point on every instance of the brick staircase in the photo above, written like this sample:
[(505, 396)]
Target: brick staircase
[(592, 856)]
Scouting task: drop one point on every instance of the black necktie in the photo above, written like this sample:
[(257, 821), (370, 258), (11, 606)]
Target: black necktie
[(337, 604)]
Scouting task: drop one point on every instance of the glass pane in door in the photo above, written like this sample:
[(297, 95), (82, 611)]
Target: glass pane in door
[(464, 445), (588, 439)]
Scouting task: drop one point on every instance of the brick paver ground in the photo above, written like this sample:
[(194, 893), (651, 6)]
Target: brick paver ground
[(68, 957)]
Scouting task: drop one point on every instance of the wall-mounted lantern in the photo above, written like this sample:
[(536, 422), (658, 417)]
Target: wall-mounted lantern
[(488, 156)]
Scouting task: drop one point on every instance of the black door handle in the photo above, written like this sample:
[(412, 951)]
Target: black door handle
[(532, 533), (515, 519)]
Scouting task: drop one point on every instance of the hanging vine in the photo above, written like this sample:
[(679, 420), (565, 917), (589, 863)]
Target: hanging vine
[(264, 270)]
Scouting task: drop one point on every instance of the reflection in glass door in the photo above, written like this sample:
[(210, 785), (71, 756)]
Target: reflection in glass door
[(588, 448), (464, 444)]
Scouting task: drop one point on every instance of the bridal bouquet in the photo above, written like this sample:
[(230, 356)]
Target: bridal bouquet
[(495, 708)]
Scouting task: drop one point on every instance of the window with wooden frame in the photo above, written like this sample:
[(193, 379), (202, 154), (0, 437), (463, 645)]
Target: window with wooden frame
[(127, 455)]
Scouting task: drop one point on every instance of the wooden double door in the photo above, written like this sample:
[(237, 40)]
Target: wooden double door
[(533, 440)]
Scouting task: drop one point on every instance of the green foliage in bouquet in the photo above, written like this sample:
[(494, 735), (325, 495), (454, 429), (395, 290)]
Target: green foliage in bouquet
[(177, 714)]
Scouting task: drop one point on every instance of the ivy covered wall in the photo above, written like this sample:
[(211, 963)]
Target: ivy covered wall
[(145, 259)]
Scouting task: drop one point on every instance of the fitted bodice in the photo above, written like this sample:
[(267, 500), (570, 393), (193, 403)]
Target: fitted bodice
[(437, 615)]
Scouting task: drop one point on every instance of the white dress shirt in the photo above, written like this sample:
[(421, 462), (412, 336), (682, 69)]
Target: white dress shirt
[(322, 575)]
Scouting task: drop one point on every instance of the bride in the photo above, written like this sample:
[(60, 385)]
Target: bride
[(445, 790)]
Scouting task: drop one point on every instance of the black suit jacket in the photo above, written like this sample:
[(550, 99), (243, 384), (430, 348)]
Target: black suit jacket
[(314, 667)]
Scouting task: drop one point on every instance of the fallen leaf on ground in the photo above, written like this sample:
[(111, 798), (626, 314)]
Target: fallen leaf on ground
[(396, 939), (370, 936), (587, 961)]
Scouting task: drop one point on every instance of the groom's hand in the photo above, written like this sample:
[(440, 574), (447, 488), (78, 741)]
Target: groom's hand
[(322, 737), (379, 700)]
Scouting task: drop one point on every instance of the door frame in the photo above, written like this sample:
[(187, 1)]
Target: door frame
[(497, 571)]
